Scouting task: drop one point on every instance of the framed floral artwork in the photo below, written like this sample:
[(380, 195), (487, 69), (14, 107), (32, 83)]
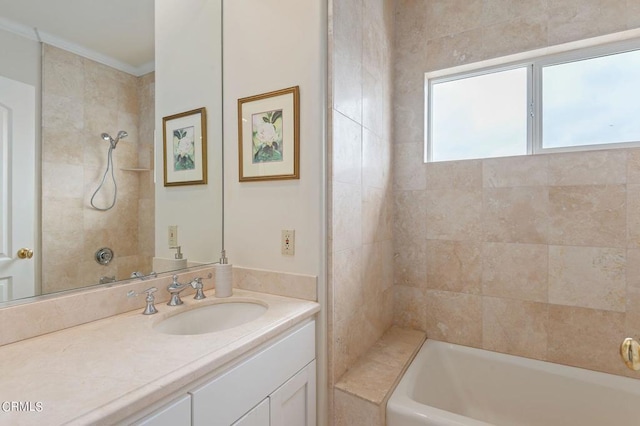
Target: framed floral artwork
[(185, 148), (268, 136)]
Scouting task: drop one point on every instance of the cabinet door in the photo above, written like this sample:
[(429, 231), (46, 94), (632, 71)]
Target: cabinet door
[(177, 413), (259, 416), (294, 403), (229, 396)]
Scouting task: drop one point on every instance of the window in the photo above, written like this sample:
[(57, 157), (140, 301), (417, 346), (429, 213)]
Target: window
[(576, 100), (480, 116), (592, 101)]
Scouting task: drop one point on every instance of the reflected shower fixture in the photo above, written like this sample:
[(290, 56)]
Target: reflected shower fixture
[(112, 145), (121, 134)]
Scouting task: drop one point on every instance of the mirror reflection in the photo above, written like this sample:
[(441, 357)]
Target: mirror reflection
[(97, 189), (93, 115)]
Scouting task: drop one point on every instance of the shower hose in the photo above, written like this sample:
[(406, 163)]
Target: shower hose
[(113, 178)]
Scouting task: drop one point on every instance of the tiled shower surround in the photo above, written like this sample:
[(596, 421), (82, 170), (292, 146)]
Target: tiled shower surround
[(536, 256), (532, 256), (360, 259), (81, 99)]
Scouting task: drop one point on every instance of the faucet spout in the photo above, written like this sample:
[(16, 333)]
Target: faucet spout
[(174, 290)]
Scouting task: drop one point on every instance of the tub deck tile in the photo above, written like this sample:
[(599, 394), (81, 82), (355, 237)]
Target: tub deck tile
[(377, 372)]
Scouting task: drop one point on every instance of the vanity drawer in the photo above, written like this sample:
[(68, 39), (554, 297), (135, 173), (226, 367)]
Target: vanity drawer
[(174, 413)]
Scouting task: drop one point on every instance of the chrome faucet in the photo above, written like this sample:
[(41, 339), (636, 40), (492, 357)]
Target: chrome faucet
[(175, 288)]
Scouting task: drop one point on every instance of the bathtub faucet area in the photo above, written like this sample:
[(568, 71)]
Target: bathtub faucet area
[(143, 277), (448, 385), (630, 353)]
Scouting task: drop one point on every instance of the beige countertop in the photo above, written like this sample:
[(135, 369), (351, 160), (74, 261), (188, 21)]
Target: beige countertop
[(107, 370)]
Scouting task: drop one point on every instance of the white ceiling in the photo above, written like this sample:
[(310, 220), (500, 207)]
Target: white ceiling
[(118, 33)]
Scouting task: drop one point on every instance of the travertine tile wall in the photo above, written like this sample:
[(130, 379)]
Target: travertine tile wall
[(146, 190), (533, 256), (360, 221), (81, 100)]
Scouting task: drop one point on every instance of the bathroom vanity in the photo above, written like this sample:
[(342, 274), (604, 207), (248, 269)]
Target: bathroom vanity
[(272, 386), (120, 370)]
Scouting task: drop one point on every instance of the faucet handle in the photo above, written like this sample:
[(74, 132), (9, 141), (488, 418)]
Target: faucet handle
[(150, 309), (197, 284), (150, 291)]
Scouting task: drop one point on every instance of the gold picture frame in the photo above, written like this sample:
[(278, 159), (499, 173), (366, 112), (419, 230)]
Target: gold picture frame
[(269, 136), (185, 148)]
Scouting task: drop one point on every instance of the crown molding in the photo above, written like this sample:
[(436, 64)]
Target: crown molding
[(44, 37)]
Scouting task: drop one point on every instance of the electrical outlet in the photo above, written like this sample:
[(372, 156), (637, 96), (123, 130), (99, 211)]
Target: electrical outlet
[(173, 235), (288, 242)]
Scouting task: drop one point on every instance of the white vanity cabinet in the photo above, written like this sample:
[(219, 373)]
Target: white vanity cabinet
[(275, 386), (258, 416), (175, 413), (293, 403), (283, 374)]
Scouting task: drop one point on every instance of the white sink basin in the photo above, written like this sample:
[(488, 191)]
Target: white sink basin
[(210, 318)]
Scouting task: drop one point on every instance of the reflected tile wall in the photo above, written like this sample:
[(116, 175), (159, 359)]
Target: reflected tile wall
[(81, 100), (533, 256), (146, 186)]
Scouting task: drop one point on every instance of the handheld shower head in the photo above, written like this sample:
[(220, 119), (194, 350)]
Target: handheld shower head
[(112, 145), (112, 141)]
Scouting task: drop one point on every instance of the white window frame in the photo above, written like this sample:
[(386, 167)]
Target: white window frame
[(535, 61)]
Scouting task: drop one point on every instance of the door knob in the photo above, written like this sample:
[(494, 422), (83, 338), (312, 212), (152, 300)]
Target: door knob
[(25, 253)]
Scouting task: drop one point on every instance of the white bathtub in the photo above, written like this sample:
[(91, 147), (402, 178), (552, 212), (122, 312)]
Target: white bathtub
[(455, 385)]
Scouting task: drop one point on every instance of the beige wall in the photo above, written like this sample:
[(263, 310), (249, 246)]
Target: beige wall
[(534, 256), (82, 99), (360, 221), (271, 45), (256, 61)]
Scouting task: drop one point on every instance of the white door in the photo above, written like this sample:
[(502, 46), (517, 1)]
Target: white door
[(17, 188)]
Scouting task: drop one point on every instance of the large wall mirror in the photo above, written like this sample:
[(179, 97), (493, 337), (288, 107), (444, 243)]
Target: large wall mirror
[(81, 189)]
